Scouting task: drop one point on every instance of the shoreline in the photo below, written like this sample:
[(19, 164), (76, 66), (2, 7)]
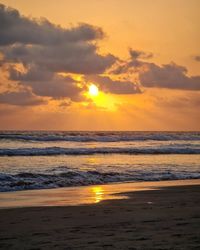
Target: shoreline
[(165, 218), (83, 195)]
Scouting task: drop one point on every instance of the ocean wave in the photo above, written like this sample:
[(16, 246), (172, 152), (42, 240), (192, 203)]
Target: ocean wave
[(100, 136), (27, 181), (179, 149)]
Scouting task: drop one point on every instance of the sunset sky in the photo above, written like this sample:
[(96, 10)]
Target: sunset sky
[(100, 64)]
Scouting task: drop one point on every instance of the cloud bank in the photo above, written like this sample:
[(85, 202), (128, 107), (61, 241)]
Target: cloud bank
[(21, 98), (150, 75), (170, 76), (38, 57), (44, 50)]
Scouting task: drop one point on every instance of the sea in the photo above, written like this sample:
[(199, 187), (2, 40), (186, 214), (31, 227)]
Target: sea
[(52, 159)]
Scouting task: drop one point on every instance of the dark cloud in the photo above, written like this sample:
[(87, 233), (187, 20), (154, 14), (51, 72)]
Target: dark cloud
[(197, 58), (45, 83), (45, 50), (15, 28), (170, 76), (138, 54), (131, 65), (106, 84), (58, 88), (46, 45), (21, 98), (33, 73), (78, 58)]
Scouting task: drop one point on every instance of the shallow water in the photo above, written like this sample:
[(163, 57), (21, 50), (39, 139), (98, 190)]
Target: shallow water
[(73, 196)]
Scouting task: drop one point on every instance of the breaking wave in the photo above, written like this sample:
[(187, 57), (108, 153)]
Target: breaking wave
[(25, 181)]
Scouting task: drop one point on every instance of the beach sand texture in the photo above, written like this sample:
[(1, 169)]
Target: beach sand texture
[(168, 218)]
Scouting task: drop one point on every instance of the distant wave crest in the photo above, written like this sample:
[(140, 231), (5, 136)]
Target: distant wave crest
[(179, 149), (100, 136)]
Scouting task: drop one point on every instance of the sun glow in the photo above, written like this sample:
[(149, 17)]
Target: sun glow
[(101, 100), (93, 90)]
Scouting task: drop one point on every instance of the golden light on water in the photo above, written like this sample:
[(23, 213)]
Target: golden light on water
[(98, 194), (93, 90)]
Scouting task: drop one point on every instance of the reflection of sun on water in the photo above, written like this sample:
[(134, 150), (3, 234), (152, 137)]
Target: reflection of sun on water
[(98, 194)]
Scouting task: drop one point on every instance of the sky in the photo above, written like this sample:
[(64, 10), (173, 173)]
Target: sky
[(100, 65)]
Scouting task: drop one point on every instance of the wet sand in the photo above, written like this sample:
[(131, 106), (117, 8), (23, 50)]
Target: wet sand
[(165, 218)]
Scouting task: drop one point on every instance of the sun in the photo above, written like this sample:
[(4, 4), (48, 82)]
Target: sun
[(93, 90)]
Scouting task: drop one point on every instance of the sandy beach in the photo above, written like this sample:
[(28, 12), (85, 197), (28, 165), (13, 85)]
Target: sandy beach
[(159, 218)]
